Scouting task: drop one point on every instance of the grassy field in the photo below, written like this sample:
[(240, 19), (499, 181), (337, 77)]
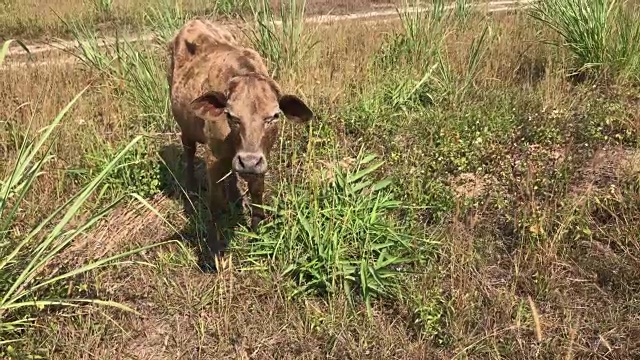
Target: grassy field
[(30, 18), (469, 190)]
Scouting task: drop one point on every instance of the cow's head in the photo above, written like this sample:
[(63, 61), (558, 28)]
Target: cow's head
[(252, 105)]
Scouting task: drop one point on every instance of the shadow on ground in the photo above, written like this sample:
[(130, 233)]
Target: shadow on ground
[(196, 230)]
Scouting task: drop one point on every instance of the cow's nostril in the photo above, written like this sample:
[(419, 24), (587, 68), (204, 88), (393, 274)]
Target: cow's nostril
[(250, 163)]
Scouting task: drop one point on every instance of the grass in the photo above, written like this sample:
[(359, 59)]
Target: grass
[(600, 34), (21, 19), (27, 19), (27, 277), (457, 197), (284, 46)]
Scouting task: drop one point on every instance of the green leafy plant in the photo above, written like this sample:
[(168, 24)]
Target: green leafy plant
[(341, 236), (137, 172), (429, 312)]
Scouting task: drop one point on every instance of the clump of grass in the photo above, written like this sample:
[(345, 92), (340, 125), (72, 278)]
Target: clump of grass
[(285, 44), (454, 86), (25, 285), (419, 49), (165, 19), (137, 172), (143, 83), (340, 236), (602, 36), (104, 8), (462, 10), (134, 73), (422, 36), (231, 7), (88, 50)]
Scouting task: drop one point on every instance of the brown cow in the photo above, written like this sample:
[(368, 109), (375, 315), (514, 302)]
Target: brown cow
[(222, 96)]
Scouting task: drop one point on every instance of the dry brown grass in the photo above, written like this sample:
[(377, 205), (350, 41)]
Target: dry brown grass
[(538, 268)]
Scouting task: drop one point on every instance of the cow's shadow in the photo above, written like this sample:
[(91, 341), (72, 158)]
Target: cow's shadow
[(196, 230)]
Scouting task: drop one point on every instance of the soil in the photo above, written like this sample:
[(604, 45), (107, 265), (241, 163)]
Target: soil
[(342, 7)]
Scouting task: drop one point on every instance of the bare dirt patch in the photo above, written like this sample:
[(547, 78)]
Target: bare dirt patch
[(607, 166), (342, 7)]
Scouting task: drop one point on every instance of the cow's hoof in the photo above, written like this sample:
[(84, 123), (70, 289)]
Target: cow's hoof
[(189, 210), (255, 223)]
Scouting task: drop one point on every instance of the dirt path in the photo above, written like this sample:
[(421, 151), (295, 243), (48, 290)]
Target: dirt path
[(57, 53)]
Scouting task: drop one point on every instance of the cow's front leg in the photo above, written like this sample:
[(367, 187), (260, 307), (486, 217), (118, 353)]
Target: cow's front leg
[(218, 206), (256, 190), (189, 147)]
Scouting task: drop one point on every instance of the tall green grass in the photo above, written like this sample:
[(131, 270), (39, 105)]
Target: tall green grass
[(285, 43), (133, 72), (455, 86), (104, 8), (602, 36), (421, 38), (136, 75), (165, 19), (26, 280), (231, 7), (419, 50)]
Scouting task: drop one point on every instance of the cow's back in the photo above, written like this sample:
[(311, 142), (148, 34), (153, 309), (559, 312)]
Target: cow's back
[(194, 53)]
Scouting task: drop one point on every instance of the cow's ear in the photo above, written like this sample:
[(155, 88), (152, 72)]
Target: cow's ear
[(211, 103), (295, 109)]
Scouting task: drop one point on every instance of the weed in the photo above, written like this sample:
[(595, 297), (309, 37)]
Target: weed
[(138, 172), (340, 237), (429, 312)]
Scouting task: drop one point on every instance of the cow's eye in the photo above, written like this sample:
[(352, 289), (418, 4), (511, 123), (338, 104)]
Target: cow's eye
[(232, 119), (272, 118)]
